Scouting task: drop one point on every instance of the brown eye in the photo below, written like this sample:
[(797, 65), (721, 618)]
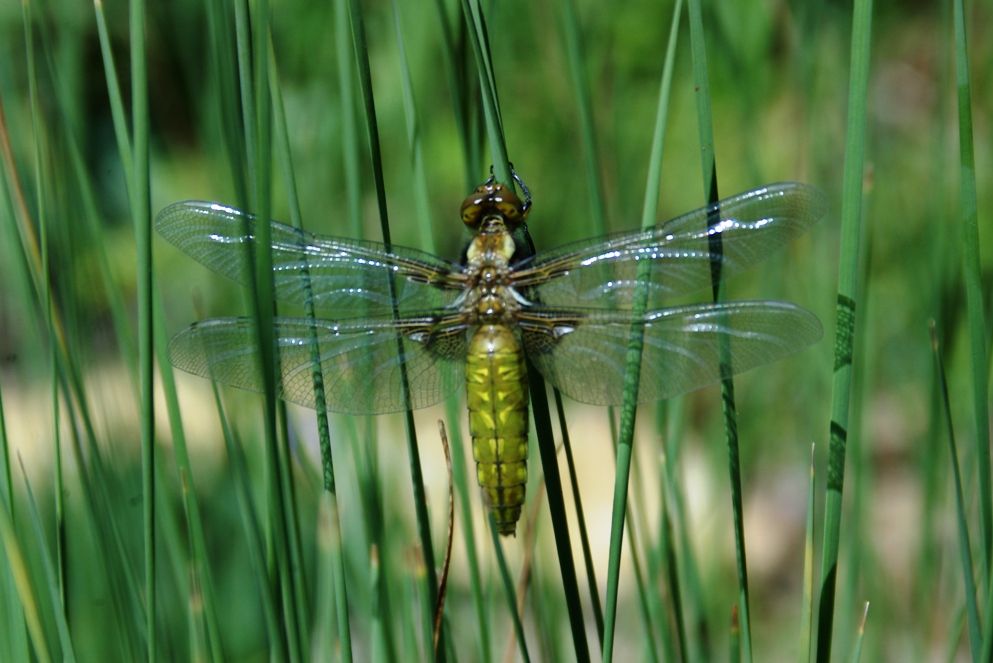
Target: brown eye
[(490, 199)]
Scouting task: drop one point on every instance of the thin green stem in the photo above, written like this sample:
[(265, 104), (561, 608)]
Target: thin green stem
[(972, 277), (708, 162), (141, 214), (851, 217), (632, 367)]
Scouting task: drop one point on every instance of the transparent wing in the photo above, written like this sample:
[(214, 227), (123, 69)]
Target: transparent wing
[(583, 352), (345, 275), (360, 360), (679, 252)]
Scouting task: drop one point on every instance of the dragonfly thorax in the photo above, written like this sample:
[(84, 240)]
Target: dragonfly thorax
[(491, 298)]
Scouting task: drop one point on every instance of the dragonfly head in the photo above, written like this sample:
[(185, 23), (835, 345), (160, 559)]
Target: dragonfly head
[(489, 200)]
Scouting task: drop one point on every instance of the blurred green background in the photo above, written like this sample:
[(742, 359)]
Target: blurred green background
[(779, 76)]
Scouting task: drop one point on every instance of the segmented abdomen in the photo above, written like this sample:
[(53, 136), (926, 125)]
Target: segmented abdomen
[(496, 386)]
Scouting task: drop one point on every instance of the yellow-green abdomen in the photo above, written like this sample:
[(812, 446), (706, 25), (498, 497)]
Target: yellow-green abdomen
[(496, 386)]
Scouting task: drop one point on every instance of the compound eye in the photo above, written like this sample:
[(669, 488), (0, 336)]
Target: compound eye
[(490, 199)]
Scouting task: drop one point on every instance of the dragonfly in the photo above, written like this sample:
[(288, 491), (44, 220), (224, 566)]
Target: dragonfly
[(391, 328)]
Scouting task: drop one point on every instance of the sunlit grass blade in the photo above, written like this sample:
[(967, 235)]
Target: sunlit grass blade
[(851, 214), (860, 635), (807, 602), (974, 296), (51, 578), (632, 369), (21, 577), (12, 617)]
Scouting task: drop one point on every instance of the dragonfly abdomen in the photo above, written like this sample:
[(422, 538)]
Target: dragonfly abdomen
[(496, 387)]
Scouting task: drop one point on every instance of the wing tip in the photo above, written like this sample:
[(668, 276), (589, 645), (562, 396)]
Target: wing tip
[(809, 197)]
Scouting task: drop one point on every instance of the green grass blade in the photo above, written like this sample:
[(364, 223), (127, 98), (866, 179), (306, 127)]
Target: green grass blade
[(244, 69), (708, 162), (338, 577), (199, 552), (668, 566), (417, 477), (860, 636), (421, 205), (851, 212), (556, 508), (224, 64), (508, 590), (41, 176), (19, 572), (141, 215), (971, 275), (584, 538), (52, 581), (539, 399), (461, 98), (807, 603), (472, 13), (961, 520), (575, 54), (253, 531), (346, 108), (280, 495), (12, 616), (114, 94), (632, 369)]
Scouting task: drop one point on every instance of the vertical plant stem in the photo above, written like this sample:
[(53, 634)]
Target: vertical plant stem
[(279, 492), (728, 408), (851, 218), (141, 214), (961, 521), (807, 603), (41, 178), (632, 368), (973, 287), (417, 476)]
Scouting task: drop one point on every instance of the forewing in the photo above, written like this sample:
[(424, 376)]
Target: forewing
[(345, 276), (680, 253), (360, 360), (583, 353)]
